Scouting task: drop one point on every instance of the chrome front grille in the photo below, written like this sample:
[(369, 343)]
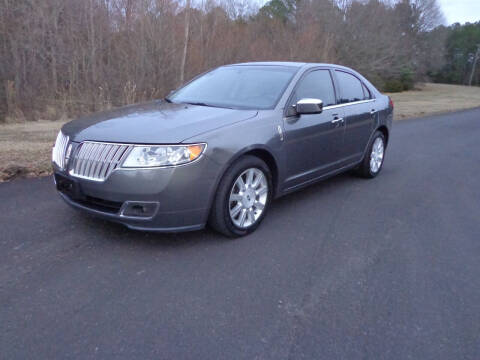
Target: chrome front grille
[(59, 150), (96, 161)]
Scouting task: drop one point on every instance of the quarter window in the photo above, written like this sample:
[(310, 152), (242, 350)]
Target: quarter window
[(366, 92), (316, 85), (351, 88)]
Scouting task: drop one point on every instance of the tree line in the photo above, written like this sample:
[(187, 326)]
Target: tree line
[(63, 58), (461, 55)]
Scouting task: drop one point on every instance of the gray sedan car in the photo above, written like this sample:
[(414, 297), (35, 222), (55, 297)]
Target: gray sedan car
[(221, 148)]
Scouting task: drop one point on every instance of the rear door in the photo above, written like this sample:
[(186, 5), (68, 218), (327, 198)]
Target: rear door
[(359, 115), (313, 142)]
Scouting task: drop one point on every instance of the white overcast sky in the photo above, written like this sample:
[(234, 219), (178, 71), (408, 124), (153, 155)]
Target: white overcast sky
[(461, 10)]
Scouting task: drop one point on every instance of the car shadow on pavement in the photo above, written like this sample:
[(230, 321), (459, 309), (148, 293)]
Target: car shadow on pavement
[(285, 206), (119, 234)]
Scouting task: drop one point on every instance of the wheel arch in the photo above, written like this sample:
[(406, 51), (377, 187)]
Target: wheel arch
[(384, 130), (258, 150), (269, 159), (263, 153)]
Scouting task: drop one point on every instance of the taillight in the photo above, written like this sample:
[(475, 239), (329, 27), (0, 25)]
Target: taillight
[(390, 102)]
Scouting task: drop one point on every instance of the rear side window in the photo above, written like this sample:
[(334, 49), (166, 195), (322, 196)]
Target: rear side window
[(317, 84), (350, 87), (366, 92)]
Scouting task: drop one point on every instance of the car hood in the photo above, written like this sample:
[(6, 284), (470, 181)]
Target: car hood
[(156, 122)]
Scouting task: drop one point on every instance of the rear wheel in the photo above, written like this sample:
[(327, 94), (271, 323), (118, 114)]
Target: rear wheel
[(373, 161), (242, 198)]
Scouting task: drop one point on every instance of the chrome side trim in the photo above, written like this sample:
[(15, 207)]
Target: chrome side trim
[(280, 132)]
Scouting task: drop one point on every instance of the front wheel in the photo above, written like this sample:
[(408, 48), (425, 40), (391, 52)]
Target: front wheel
[(242, 198), (373, 160)]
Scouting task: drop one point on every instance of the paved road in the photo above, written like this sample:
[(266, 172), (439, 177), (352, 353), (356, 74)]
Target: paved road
[(346, 269)]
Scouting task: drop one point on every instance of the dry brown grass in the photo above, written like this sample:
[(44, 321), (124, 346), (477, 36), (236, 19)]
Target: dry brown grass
[(25, 149), (431, 99)]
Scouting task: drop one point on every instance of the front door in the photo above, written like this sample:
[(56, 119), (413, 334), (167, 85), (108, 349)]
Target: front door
[(313, 142)]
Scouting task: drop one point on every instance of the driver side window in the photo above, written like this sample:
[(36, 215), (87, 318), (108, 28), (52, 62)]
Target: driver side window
[(317, 84)]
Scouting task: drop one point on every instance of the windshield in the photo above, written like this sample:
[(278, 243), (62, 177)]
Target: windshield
[(244, 87)]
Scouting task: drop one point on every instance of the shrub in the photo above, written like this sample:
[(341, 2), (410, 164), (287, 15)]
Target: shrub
[(407, 79), (393, 85)]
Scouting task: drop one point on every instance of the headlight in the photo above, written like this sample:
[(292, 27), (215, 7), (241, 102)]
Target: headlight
[(163, 155)]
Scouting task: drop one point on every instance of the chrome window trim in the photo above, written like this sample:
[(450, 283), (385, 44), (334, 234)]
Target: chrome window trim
[(348, 104), (335, 88)]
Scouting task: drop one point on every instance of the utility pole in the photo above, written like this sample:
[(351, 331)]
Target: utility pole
[(477, 54)]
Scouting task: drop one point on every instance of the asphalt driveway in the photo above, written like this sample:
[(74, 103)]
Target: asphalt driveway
[(346, 269)]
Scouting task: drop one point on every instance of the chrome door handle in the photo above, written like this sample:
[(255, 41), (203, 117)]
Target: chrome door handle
[(336, 121), (372, 112)]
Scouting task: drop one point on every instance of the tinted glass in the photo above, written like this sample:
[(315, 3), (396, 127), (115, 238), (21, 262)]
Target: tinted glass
[(316, 85), (350, 87), (245, 87)]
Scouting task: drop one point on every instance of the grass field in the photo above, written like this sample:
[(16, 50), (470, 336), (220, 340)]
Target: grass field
[(25, 149), (431, 99)]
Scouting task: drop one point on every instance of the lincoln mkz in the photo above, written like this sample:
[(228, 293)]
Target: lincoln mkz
[(219, 149)]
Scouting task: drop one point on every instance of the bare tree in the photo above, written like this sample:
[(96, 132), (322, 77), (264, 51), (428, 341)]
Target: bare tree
[(185, 42), (69, 57), (428, 13)]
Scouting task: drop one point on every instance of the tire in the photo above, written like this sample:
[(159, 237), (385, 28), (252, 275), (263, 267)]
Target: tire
[(225, 216), (367, 169)]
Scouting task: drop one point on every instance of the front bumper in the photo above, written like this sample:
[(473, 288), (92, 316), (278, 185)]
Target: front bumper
[(178, 198)]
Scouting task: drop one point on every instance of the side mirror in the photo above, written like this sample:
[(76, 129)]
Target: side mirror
[(309, 106)]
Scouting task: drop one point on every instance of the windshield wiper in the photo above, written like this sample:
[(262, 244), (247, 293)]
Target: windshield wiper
[(167, 99), (198, 103)]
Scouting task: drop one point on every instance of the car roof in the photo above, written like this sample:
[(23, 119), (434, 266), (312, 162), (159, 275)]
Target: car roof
[(290, 63), (271, 63)]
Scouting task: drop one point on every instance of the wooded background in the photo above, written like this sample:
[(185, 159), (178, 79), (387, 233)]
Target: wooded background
[(62, 58)]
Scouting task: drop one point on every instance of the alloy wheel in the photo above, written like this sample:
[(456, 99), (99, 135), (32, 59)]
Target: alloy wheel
[(376, 157), (248, 198)]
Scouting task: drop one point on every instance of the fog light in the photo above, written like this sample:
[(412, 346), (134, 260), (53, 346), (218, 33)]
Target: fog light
[(139, 209)]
